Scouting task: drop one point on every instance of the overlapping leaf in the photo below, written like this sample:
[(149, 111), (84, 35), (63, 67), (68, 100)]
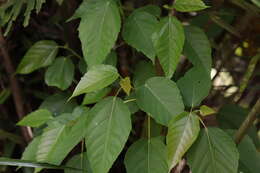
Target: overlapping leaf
[(183, 131), (107, 132), (60, 73), (189, 5), (41, 54), (36, 118), (98, 29), (98, 77), (79, 161), (138, 30), (213, 152), (168, 42), (194, 86), (160, 98), (197, 48), (147, 156)]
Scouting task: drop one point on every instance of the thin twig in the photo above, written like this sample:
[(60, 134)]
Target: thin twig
[(248, 122), (15, 88)]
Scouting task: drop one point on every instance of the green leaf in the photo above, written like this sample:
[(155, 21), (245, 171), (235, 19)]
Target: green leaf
[(111, 59), (126, 85), (151, 9), (41, 54), (31, 149), (59, 2), (194, 86), (249, 156), (36, 118), (189, 5), (79, 161), (60, 73), (231, 116), (147, 156), (256, 2), (57, 104), (160, 98), (182, 133), (98, 29), (197, 48), (205, 110), (24, 163), (98, 77), (58, 139), (143, 71), (213, 152), (95, 96), (137, 31), (4, 95), (107, 132), (168, 42)]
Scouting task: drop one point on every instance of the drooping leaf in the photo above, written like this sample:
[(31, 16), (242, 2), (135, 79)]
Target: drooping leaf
[(214, 151), (36, 118), (95, 96), (79, 161), (107, 132), (205, 110), (98, 29), (189, 5), (41, 54), (126, 85), (197, 48), (24, 163), (57, 104), (60, 73), (98, 77), (152, 9), (231, 116), (137, 32), (194, 86), (160, 98), (58, 139), (147, 156), (168, 42), (143, 71), (182, 133)]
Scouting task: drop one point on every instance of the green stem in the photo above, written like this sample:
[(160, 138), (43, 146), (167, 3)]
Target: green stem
[(71, 51), (248, 122)]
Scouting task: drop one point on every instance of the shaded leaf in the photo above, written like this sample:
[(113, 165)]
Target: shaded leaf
[(60, 73), (168, 42), (95, 96), (98, 29), (41, 54), (137, 32), (189, 5), (36, 118), (152, 9), (160, 98), (147, 156), (4, 95), (111, 59), (214, 151), (197, 48), (79, 161), (143, 71), (182, 133), (194, 86), (107, 132), (98, 77), (205, 110)]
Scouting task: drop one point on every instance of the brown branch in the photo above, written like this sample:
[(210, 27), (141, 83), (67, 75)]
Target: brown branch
[(15, 88), (248, 122)]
